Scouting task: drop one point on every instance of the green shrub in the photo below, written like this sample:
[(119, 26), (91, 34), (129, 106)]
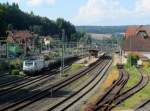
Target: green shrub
[(132, 59), (53, 54), (16, 63), (22, 73), (46, 57), (146, 64), (15, 72)]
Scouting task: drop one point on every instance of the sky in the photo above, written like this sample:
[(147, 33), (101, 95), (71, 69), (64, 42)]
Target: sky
[(90, 12)]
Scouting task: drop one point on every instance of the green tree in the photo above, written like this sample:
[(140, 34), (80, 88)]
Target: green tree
[(12, 15), (132, 59)]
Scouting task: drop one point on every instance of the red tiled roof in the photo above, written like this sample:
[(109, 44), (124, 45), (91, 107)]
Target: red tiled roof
[(134, 42), (20, 34), (131, 31)]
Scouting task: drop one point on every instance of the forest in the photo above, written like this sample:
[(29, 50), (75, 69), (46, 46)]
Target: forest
[(13, 18)]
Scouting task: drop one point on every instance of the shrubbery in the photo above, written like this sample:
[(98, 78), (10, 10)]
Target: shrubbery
[(46, 57), (15, 66), (15, 72), (132, 59), (16, 63), (50, 55), (146, 64)]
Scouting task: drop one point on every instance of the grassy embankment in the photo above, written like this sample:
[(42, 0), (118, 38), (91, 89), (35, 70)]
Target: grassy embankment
[(134, 77)]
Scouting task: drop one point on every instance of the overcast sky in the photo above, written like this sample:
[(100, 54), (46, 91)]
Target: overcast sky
[(90, 12)]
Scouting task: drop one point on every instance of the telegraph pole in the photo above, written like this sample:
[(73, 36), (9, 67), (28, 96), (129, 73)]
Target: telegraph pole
[(62, 57)]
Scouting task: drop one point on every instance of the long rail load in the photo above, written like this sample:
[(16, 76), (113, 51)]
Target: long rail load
[(36, 65)]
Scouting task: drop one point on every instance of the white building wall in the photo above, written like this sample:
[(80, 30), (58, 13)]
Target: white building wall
[(147, 54)]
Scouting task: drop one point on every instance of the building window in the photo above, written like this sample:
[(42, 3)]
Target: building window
[(143, 34)]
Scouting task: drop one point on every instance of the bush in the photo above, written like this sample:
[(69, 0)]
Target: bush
[(146, 64), (53, 54), (16, 63), (22, 73), (15, 72), (46, 57), (132, 59)]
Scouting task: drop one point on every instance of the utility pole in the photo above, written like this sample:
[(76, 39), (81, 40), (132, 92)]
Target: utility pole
[(62, 57), (130, 51), (7, 52)]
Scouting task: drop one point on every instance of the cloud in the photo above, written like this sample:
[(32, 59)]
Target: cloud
[(40, 2), (110, 10), (50, 2), (142, 6), (15, 1)]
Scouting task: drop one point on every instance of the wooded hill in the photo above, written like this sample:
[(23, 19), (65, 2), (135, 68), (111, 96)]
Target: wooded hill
[(13, 18)]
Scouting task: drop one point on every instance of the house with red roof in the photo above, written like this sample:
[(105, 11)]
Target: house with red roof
[(137, 40), (22, 38)]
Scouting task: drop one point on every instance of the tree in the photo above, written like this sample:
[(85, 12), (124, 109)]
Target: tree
[(10, 27), (86, 39), (36, 29), (11, 15), (67, 26), (132, 59), (2, 22)]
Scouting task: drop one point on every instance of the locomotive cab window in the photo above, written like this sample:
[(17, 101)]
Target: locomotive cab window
[(29, 63)]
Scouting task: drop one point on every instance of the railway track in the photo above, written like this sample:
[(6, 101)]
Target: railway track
[(144, 78), (7, 89), (27, 79), (104, 102), (85, 89), (37, 80), (48, 75), (3, 75), (11, 81), (141, 107), (55, 87)]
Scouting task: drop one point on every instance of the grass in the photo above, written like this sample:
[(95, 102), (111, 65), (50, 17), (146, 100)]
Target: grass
[(147, 70), (137, 98), (134, 77), (76, 67)]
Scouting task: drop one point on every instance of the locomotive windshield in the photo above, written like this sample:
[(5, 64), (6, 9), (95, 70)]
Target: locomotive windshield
[(27, 63)]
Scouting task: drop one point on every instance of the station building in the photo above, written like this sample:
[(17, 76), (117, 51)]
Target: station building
[(137, 40)]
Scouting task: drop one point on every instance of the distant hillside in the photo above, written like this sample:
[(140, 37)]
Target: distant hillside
[(100, 36), (102, 29)]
